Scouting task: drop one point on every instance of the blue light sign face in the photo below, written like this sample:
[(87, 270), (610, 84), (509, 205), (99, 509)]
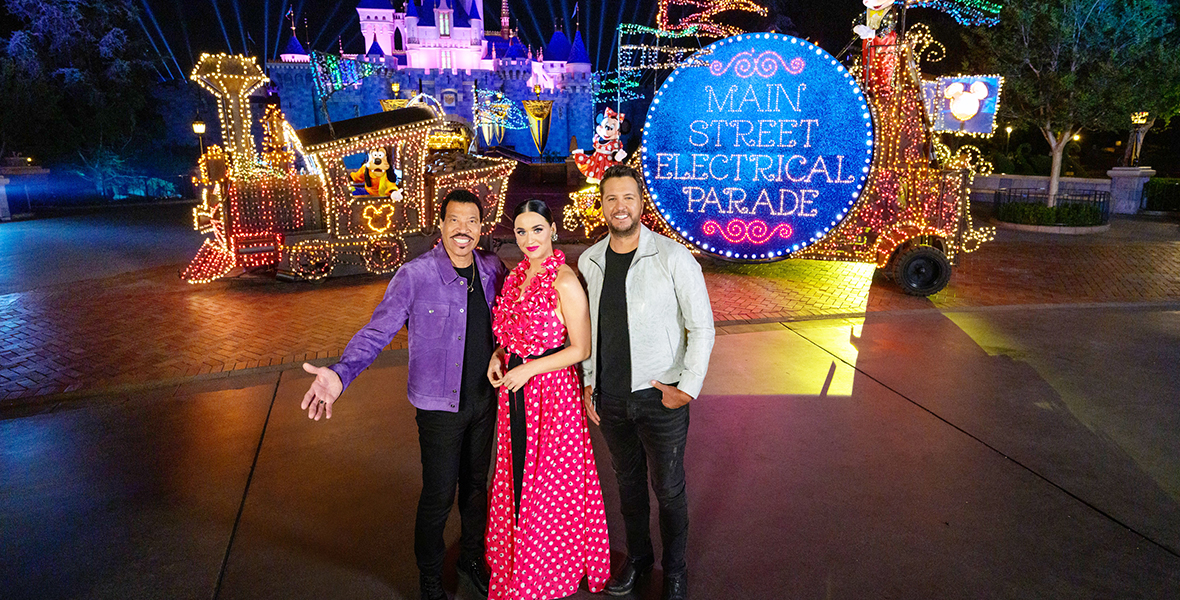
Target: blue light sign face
[(761, 151)]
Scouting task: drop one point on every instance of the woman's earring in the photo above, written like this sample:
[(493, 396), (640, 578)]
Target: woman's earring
[(555, 236)]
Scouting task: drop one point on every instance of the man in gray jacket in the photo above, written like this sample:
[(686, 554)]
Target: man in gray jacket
[(652, 332)]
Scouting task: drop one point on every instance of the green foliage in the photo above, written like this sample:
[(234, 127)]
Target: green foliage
[(1035, 213), (1071, 64), (75, 85), (1162, 194), (1028, 163)]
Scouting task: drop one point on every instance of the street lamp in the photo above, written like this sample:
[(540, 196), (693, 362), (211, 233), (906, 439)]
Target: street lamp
[(397, 89), (1009, 140), (199, 129), (537, 90), (1077, 137)]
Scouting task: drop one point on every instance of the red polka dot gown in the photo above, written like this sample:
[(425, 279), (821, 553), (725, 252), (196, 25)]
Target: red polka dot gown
[(561, 533)]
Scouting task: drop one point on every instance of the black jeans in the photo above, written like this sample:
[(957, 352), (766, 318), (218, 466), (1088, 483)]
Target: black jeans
[(637, 429), (456, 452)]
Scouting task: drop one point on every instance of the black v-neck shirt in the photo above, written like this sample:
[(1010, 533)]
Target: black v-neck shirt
[(614, 338)]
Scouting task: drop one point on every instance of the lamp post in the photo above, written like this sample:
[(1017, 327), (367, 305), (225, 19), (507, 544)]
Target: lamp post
[(537, 90), (199, 129), (1009, 140)]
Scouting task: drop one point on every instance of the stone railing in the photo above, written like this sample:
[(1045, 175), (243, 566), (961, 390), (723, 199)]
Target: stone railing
[(1125, 186)]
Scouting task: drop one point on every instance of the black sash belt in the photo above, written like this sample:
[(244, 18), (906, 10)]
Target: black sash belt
[(516, 420)]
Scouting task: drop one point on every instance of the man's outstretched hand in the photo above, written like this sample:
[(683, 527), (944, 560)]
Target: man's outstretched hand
[(323, 392)]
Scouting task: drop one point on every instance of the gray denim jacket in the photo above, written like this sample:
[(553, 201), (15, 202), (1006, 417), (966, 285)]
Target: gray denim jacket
[(668, 313)]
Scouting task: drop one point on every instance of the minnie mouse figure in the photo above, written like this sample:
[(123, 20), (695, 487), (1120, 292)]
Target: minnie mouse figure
[(608, 150)]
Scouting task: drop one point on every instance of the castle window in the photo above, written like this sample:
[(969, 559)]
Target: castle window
[(446, 59), (444, 24)]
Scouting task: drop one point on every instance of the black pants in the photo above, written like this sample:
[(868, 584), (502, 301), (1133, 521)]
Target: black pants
[(456, 452), (639, 429)]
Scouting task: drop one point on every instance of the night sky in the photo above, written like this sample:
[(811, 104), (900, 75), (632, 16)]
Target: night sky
[(180, 30)]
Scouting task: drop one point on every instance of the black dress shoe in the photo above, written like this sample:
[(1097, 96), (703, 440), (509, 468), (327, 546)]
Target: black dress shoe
[(431, 587), (621, 583), (675, 587), (477, 572)]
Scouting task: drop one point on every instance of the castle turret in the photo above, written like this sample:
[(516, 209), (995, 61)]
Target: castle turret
[(504, 31), (294, 52), (444, 18), (377, 17), (558, 49), (578, 60), (475, 16)]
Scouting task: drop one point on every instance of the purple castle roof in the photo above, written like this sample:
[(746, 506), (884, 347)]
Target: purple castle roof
[(578, 52), (461, 18), (294, 47), (558, 48)]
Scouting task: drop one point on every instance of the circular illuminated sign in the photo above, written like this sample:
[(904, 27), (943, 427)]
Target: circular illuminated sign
[(757, 147)]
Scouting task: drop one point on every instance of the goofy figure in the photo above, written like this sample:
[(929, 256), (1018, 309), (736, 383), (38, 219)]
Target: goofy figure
[(377, 176)]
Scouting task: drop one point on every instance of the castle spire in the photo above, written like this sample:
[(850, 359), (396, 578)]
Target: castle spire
[(504, 32)]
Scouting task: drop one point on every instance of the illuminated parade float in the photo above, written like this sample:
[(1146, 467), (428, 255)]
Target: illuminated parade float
[(300, 209), (763, 146), (757, 147)]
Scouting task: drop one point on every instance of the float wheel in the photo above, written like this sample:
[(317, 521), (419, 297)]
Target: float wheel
[(921, 270)]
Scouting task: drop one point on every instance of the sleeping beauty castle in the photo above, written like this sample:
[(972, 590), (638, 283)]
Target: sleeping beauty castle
[(443, 48)]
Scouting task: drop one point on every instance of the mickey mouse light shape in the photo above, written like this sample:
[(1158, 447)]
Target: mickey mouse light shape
[(965, 102)]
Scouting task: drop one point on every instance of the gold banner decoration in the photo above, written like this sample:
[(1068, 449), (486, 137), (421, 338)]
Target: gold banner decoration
[(493, 134), (539, 112), (394, 104)]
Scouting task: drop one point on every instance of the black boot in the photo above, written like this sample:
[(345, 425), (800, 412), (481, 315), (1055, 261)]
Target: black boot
[(431, 587), (675, 587), (622, 582), (476, 570)]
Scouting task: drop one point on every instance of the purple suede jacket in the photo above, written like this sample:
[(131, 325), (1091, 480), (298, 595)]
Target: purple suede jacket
[(427, 294)]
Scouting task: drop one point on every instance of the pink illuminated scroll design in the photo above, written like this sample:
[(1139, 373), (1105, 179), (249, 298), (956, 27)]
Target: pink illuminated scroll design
[(744, 65), (755, 232)]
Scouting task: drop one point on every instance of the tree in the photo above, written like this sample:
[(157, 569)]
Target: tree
[(78, 75), (1070, 65)]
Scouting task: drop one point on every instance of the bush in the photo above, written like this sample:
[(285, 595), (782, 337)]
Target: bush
[(1162, 194), (1032, 213)]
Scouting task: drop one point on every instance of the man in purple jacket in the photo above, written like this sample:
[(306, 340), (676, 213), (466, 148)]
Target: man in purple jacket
[(448, 309)]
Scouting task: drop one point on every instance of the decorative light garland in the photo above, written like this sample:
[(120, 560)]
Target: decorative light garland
[(613, 86), (703, 20), (231, 79), (331, 73), (966, 12), (492, 107)]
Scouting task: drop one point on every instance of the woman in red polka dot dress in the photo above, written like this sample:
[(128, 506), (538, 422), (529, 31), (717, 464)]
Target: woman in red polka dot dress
[(546, 522)]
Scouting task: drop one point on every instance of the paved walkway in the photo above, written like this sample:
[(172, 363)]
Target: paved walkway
[(1015, 454), (147, 327)]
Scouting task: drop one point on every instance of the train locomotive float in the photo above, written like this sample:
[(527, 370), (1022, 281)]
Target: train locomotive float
[(300, 210)]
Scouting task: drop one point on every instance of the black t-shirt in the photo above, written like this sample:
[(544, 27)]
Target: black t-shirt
[(477, 340), (614, 338)]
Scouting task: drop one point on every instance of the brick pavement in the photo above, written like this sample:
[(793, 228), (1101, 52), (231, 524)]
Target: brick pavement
[(151, 327)]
